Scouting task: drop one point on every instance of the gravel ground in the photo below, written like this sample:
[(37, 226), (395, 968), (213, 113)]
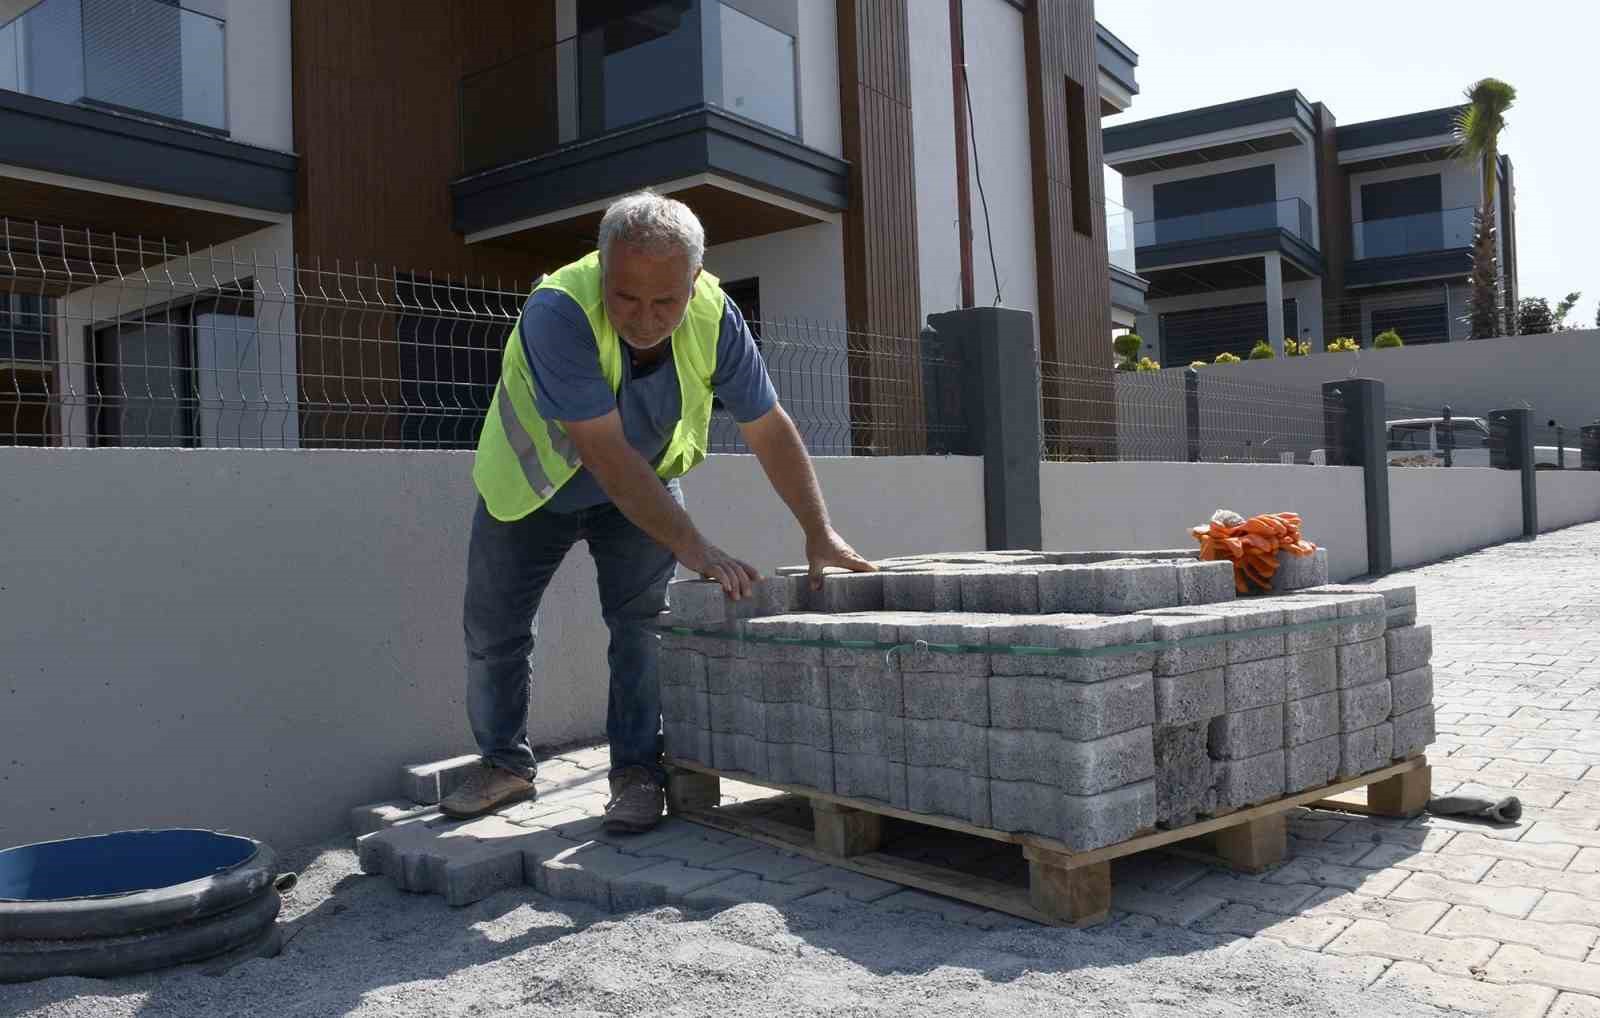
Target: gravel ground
[(356, 946)]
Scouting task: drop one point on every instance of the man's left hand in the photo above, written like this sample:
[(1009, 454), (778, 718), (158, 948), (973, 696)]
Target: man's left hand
[(826, 548)]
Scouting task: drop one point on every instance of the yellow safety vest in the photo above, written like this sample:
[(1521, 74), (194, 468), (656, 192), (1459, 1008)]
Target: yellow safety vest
[(523, 460)]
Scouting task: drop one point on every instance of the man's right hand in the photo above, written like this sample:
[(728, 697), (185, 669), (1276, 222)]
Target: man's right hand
[(738, 578)]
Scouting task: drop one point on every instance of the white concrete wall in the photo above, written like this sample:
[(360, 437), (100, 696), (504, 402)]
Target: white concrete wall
[(1294, 168), (817, 51), (1568, 496), (247, 374), (260, 111), (934, 139), (1555, 374), (1093, 506), (1436, 513), (996, 70), (259, 640)]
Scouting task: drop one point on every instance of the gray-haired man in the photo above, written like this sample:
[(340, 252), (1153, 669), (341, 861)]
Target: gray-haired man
[(604, 401)]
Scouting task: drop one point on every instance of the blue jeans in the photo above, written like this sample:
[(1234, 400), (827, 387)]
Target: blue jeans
[(508, 567)]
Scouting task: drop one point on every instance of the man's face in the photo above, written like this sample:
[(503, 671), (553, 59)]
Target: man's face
[(646, 294)]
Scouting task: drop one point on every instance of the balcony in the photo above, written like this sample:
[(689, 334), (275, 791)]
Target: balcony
[(1224, 247), (1291, 215), (1402, 248), (1120, 237), (697, 97), (147, 57)]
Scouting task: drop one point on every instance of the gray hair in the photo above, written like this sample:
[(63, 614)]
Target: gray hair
[(659, 224)]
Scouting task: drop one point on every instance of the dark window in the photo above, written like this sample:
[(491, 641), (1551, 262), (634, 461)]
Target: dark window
[(1078, 152), (1426, 324), (450, 347), (1409, 437), (24, 327), (1401, 217), (1237, 189), (1390, 198), (1201, 334), (1469, 434), (746, 295), (637, 59)]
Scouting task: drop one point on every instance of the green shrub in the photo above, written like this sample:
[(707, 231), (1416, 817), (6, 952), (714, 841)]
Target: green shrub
[(1343, 344), (1127, 347), (1295, 348), (1226, 358), (1388, 340), (1147, 365), (1197, 365), (1262, 351)]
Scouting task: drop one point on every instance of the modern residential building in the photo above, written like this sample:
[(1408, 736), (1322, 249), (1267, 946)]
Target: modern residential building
[(862, 163), (1265, 219)]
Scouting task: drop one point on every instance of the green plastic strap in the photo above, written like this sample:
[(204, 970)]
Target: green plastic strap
[(1209, 640)]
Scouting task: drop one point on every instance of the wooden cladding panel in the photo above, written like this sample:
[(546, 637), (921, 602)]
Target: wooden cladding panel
[(1074, 280), (882, 296)]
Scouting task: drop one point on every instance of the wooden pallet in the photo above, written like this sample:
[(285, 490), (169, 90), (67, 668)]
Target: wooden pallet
[(1048, 882)]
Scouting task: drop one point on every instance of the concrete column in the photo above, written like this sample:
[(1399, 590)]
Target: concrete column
[(1273, 264)]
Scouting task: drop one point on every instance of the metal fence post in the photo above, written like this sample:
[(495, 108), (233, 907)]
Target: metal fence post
[(1354, 425), (1447, 440), (1512, 432), (1191, 408), (1589, 442), (1003, 412)]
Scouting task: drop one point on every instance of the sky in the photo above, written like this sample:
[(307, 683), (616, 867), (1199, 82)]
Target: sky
[(1368, 60)]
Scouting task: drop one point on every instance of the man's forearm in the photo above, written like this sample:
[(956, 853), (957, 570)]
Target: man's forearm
[(635, 489), (783, 457)]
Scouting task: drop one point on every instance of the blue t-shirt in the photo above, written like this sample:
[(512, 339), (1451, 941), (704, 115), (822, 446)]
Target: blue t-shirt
[(564, 360)]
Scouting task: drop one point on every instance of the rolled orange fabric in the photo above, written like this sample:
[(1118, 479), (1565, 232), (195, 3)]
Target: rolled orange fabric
[(1252, 545)]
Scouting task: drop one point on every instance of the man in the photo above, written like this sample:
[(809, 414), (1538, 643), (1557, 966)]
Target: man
[(605, 399)]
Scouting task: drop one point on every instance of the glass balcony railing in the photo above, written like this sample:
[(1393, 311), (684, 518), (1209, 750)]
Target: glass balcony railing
[(1425, 231), (626, 70), (141, 56), (1119, 236), (1292, 215)]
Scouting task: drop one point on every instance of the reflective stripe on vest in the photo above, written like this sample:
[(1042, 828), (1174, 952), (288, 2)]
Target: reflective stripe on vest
[(524, 459)]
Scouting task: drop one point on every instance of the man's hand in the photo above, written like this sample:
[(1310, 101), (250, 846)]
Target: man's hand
[(738, 578), (826, 548)]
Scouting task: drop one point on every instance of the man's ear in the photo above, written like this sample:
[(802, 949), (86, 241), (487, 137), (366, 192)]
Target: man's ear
[(696, 277)]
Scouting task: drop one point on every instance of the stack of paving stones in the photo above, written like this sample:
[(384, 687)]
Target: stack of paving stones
[(854, 689)]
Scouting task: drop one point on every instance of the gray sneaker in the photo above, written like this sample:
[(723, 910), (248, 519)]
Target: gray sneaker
[(486, 788), (637, 802)]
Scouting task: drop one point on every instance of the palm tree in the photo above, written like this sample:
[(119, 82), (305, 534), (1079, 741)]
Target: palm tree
[(1477, 130)]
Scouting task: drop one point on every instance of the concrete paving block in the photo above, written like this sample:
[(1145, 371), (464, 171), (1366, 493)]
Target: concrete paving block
[(1189, 698), (1025, 806), (667, 882), (1070, 587), (791, 639), (1194, 657), (1310, 719), (1077, 768), (1366, 750), (681, 669), (700, 848), (1252, 684), (1363, 630), (862, 776), (870, 689), (722, 710), (709, 647), (1009, 591), (1360, 664), (1205, 582), (428, 783), (869, 733), (378, 815), (462, 863), (879, 630), (948, 791), (1405, 615), (698, 604), (732, 751), (687, 742), (846, 592), (1409, 647), (1311, 764), (1240, 618), (1246, 733), (799, 724), (1135, 586), (1185, 783), (1095, 821), (1090, 633), (1297, 572), (1310, 673), (857, 887), (1364, 706), (1411, 690), (1078, 710), (1414, 731), (686, 706), (935, 696), (723, 674), (587, 871), (1250, 781), (1315, 612), (791, 764), (744, 889), (952, 744), (1394, 594), (937, 591), (956, 629), (781, 682)]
